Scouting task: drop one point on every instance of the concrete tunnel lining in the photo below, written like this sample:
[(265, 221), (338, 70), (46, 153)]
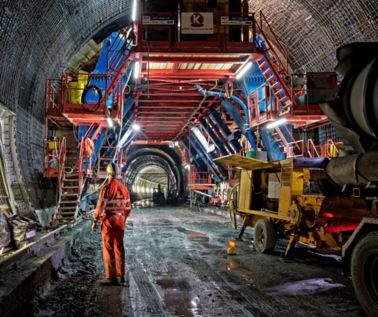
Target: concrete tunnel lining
[(40, 37), (163, 157), (151, 178)]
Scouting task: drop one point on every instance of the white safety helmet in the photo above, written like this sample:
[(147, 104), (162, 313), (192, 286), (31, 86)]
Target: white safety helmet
[(112, 169)]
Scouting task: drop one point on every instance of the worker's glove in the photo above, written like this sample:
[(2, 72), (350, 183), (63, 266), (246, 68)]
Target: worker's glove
[(94, 225)]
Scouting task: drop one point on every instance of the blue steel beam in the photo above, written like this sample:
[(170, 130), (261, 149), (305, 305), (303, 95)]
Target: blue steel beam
[(222, 95), (287, 132), (227, 104), (204, 156), (235, 115), (218, 169), (271, 146), (218, 133), (192, 155), (217, 142), (194, 145), (224, 128), (111, 54), (110, 60)]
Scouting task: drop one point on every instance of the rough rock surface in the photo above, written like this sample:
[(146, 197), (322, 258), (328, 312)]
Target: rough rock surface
[(177, 266)]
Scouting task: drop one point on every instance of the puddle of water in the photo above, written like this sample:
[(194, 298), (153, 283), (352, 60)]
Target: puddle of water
[(305, 287), (145, 203), (178, 296), (198, 236), (232, 264), (195, 235)]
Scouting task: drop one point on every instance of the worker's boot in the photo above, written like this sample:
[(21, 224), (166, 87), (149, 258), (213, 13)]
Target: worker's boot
[(121, 280), (108, 281)]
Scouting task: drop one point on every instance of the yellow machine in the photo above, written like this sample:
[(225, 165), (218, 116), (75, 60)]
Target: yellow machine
[(284, 199)]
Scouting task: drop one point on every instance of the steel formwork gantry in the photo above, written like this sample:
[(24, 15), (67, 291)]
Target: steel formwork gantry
[(168, 98)]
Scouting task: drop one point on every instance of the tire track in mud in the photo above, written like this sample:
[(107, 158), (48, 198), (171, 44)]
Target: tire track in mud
[(176, 265), (224, 293), (161, 258)]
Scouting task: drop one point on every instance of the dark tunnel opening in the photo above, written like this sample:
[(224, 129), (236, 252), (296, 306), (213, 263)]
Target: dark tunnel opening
[(156, 173)]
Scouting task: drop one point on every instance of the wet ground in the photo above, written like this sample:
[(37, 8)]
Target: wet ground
[(177, 266)]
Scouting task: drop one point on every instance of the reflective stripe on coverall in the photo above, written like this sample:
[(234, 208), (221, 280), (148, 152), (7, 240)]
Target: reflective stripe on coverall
[(113, 207)]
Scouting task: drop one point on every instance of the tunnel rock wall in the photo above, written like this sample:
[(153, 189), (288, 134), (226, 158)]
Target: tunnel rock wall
[(38, 38), (311, 30)]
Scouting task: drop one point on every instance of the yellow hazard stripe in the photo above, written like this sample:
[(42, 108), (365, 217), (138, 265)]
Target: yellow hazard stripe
[(114, 260), (119, 201)]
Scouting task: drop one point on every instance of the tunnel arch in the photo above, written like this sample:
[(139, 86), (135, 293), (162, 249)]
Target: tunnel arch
[(51, 33), (40, 37), (164, 158)]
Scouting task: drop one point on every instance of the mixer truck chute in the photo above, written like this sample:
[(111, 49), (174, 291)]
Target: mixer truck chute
[(355, 114)]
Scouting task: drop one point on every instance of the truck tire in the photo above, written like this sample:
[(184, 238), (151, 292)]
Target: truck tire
[(264, 236), (364, 270)]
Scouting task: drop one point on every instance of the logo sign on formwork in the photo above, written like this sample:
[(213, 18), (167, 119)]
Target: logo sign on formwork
[(158, 20), (197, 23), (234, 20)]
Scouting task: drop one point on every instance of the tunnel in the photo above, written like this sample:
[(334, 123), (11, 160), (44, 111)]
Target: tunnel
[(50, 46), (156, 171), (188, 158)]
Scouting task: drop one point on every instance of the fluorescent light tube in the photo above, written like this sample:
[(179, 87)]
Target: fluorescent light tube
[(276, 123)]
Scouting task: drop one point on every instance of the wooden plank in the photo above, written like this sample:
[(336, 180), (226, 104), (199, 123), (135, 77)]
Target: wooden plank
[(247, 163), (245, 191)]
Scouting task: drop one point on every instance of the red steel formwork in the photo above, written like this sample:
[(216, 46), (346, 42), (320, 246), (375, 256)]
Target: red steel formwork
[(167, 102)]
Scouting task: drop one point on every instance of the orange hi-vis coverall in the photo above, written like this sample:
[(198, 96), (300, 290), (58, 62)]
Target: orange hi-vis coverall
[(113, 207)]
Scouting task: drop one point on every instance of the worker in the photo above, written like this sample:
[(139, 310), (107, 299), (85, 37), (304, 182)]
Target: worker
[(113, 207)]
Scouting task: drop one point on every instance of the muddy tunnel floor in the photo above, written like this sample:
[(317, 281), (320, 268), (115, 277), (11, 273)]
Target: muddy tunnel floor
[(177, 265)]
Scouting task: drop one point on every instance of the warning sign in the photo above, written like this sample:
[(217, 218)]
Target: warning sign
[(197, 23), (236, 20), (157, 20)]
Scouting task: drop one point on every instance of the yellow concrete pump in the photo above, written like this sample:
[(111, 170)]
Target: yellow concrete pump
[(331, 205)]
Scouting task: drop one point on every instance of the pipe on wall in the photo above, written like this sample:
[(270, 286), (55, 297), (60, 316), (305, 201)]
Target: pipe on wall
[(247, 129), (222, 95)]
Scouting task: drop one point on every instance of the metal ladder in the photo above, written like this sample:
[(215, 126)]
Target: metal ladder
[(69, 190)]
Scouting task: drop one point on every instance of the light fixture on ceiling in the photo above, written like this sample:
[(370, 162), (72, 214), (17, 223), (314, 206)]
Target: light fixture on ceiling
[(276, 123), (136, 127), (187, 166), (243, 70), (136, 70), (134, 10), (110, 122)]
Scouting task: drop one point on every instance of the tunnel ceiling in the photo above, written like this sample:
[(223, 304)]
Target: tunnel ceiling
[(153, 173), (311, 30), (39, 38)]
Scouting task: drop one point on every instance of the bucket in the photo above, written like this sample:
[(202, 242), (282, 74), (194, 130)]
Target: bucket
[(262, 155), (75, 91), (82, 78), (52, 145), (250, 154)]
